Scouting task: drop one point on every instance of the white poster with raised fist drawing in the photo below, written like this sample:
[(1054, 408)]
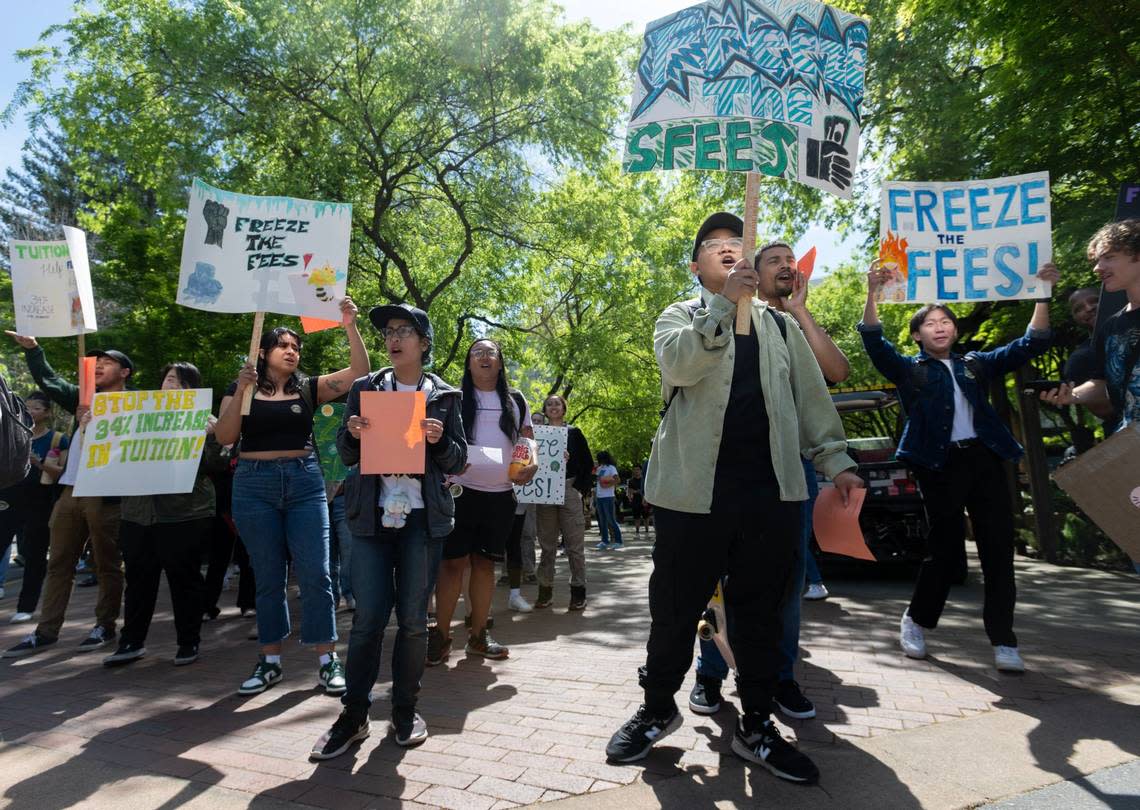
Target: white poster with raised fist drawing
[(549, 483)]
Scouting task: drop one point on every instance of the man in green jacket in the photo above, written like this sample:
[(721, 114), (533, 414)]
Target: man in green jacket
[(74, 520), (726, 481)]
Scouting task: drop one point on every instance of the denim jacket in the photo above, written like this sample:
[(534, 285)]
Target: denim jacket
[(927, 393), (445, 457)]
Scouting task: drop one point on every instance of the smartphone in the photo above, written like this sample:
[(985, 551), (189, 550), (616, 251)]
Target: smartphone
[(1030, 386)]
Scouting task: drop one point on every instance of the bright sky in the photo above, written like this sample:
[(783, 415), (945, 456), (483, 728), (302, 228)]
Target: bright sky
[(22, 30)]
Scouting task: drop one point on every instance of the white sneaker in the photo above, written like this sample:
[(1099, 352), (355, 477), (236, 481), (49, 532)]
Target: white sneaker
[(816, 591), (911, 639), (20, 618), (516, 602), (1008, 659)]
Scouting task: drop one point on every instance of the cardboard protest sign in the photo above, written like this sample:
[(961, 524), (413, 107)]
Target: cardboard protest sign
[(143, 442), (243, 253), (549, 483), (51, 286), (326, 423), (974, 240), (394, 442), (764, 86)]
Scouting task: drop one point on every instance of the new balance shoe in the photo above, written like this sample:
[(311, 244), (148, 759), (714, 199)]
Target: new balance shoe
[(348, 728), (792, 702), (516, 602), (816, 591), (410, 730), (264, 676), (641, 732), (128, 651), (704, 698), (187, 654), (757, 740), (486, 646), (1008, 659), (98, 637), (911, 638), (331, 676), (438, 647), (32, 644)]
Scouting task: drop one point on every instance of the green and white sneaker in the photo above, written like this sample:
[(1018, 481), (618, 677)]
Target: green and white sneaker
[(331, 676), (264, 676)]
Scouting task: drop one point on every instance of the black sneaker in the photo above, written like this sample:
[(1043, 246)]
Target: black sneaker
[(791, 701), (410, 730), (187, 654), (633, 740), (545, 597), (98, 637), (31, 645), (705, 697), (347, 729), (577, 597), (438, 647), (757, 740), (486, 646), (127, 652)]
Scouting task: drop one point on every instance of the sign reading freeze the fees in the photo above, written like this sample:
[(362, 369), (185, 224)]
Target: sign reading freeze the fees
[(976, 240), (51, 286), (243, 253), (768, 86), (143, 442), (549, 483)]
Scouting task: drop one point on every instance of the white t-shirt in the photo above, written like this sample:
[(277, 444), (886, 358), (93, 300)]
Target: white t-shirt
[(604, 470), (71, 469), (963, 427), (488, 448), (413, 487)]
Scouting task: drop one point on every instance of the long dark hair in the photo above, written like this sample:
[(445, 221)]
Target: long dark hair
[(604, 458), (269, 341), (188, 374), (507, 422)]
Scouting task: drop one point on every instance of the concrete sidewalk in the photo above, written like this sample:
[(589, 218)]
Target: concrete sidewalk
[(946, 732)]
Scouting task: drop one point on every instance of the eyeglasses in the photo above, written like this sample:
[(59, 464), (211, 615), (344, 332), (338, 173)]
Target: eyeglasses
[(713, 245), (404, 331), (484, 354)]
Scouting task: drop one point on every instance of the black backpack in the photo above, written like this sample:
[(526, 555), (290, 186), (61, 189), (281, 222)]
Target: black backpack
[(15, 437)]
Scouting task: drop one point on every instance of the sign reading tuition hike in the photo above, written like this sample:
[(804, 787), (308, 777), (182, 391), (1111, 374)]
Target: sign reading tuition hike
[(51, 286), (143, 442), (549, 483), (770, 86), (243, 253), (974, 240)]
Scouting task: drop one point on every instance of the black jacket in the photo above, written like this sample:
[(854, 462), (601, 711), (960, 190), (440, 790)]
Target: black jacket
[(580, 467)]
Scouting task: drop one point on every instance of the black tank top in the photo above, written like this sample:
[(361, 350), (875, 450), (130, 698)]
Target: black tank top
[(285, 424)]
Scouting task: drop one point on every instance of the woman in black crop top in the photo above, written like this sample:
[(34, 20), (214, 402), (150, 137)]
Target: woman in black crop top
[(279, 504)]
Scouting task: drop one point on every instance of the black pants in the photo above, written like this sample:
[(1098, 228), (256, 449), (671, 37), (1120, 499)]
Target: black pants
[(749, 539), (973, 479), (175, 548), (221, 551), (34, 546)]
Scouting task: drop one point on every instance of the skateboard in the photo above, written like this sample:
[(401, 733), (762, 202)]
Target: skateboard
[(714, 627)]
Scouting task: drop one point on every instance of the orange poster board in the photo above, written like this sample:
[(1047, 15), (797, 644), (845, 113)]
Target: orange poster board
[(806, 264), (316, 324), (837, 526), (394, 442), (87, 380)]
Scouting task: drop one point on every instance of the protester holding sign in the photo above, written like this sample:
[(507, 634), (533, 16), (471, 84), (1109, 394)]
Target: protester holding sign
[(395, 566), (74, 520), (167, 533), (279, 495), (956, 445), (493, 421)]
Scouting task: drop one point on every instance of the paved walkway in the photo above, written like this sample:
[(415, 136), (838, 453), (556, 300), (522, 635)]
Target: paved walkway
[(946, 732)]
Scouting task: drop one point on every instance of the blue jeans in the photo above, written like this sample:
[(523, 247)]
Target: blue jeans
[(393, 570), (607, 520), (340, 550), (281, 513), (711, 664)]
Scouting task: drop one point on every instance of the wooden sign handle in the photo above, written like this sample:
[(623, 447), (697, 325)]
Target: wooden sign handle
[(254, 346), (751, 204)]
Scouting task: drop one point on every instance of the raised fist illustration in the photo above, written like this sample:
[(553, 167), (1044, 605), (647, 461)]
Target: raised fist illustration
[(216, 216), (828, 159)]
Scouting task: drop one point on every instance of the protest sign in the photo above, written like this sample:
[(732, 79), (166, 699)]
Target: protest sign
[(765, 86), (143, 442), (836, 526), (326, 423), (394, 442), (549, 483), (242, 253), (973, 240), (51, 286)]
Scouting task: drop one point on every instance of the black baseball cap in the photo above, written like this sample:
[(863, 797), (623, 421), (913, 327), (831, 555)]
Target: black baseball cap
[(721, 219), (115, 355), (382, 314)]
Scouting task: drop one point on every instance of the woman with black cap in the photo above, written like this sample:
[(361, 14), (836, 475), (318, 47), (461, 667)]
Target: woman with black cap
[(398, 525)]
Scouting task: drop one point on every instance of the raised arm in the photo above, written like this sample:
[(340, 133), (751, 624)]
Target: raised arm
[(884, 356), (832, 362), (60, 391), (333, 386)]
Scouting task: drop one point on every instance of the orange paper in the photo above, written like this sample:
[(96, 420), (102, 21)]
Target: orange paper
[(806, 264), (317, 324), (394, 441), (837, 526), (87, 380)]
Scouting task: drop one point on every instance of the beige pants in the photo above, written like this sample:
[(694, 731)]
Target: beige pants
[(568, 521)]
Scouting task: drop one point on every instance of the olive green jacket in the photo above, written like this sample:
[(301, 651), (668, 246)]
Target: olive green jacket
[(695, 352)]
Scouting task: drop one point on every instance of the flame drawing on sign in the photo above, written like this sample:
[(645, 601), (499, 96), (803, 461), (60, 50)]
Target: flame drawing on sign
[(892, 254)]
